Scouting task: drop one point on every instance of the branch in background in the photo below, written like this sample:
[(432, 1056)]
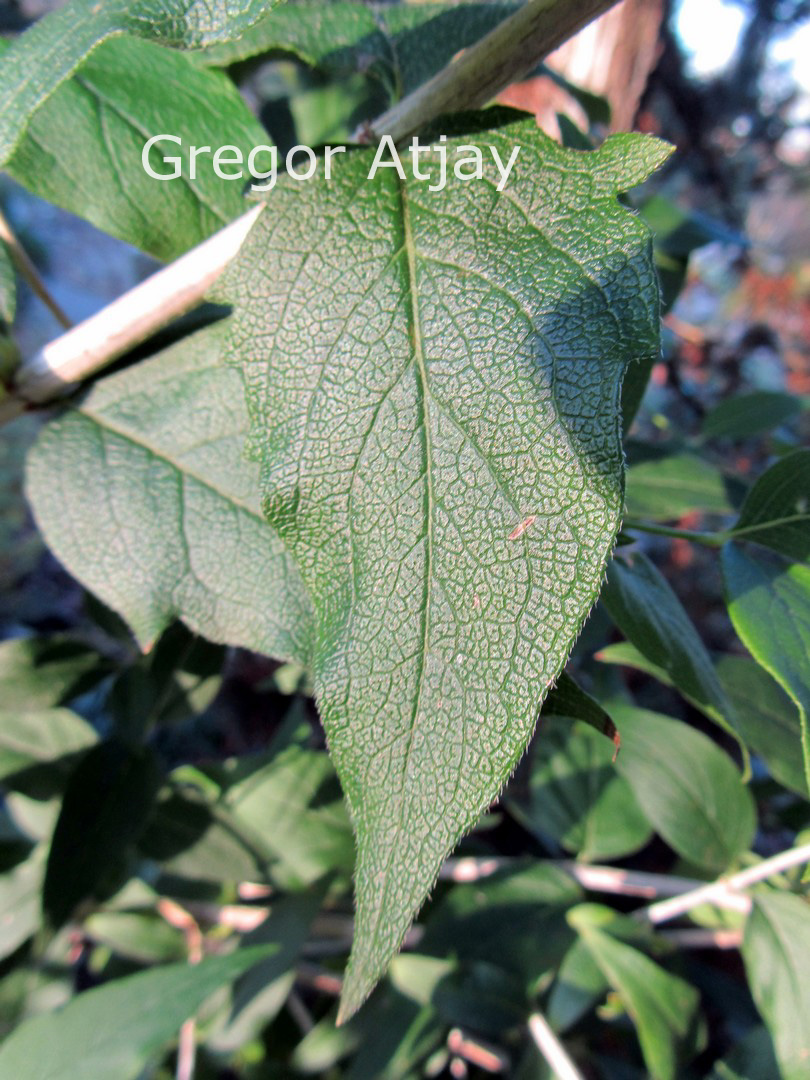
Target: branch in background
[(698, 938), (487, 1058), (177, 916), (512, 48), (720, 892), (552, 1049), (29, 273)]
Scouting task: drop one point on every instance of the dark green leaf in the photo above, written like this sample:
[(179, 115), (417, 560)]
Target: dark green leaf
[(40, 60), (643, 606), (396, 1035), (107, 802), (679, 232), (747, 415), (768, 600), (144, 495), (578, 987), (577, 797), (768, 720), (662, 1006), (113, 1031), (776, 511), (82, 149), (776, 951), (687, 786), (465, 357), (595, 106), (567, 698), (672, 486)]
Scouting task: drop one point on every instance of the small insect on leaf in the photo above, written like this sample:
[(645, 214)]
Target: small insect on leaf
[(520, 529)]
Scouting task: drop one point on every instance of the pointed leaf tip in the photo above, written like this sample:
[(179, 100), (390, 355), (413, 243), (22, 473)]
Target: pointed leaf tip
[(447, 365)]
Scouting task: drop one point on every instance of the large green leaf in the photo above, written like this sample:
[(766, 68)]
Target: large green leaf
[(687, 786), (433, 379), (776, 951), (776, 511), (643, 606), (662, 1006), (82, 149), (768, 600), (42, 58), (402, 45), (114, 1031), (143, 494)]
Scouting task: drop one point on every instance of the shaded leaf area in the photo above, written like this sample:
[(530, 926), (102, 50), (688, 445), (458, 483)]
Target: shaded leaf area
[(400, 45), (776, 951), (514, 921), (82, 149), (435, 418), (260, 994), (768, 599), (112, 1032), (688, 788), (40, 60), (576, 797), (143, 493)]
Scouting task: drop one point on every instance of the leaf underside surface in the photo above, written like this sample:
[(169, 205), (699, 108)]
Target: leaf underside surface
[(433, 382), (143, 493)]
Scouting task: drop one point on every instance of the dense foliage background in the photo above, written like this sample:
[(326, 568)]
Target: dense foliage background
[(172, 807)]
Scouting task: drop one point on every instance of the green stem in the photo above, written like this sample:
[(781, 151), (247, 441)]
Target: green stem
[(708, 539), (711, 539)]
